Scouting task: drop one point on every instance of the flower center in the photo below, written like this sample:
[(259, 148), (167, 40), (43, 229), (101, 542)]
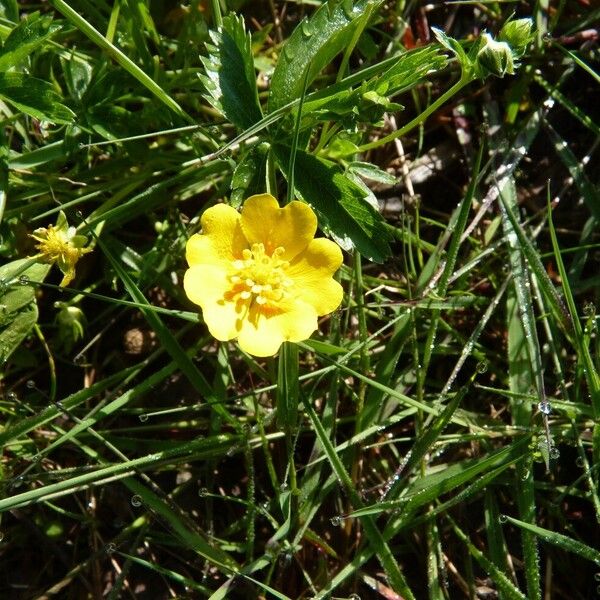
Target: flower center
[(260, 277), (57, 246)]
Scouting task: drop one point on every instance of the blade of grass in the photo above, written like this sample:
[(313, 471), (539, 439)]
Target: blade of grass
[(124, 61), (381, 548)]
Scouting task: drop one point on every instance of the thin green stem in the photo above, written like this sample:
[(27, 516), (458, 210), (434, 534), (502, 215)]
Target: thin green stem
[(461, 83)]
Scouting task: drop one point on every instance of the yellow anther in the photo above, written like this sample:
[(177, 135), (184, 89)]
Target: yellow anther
[(260, 277)]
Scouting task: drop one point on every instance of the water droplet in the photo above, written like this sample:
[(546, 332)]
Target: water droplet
[(306, 28), (336, 521), (554, 452), (203, 492), (289, 52), (60, 405), (12, 397), (353, 597), (30, 384), (597, 576), (482, 366), (17, 482), (24, 280), (502, 519), (285, 559), (110, 547), (143, 417), (525, 476), (136, 500), (545, 408), (79, 215), (80, 359), (579, 461)]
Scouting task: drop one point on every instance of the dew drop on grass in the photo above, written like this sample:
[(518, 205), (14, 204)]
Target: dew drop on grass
[(597, 576), (353, 597), (554, 452), (17, 482), (110, 547), (30, 384), (136, 500), (203, 492), (545, 408), (24, 280), (482, 366), (579, 461), (80, 359), (502, 519), (336, 521), (143, 417), (12, 397), (306, 28)]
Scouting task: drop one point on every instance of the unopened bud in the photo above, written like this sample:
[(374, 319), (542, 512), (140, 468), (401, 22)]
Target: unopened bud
[(495, 57)]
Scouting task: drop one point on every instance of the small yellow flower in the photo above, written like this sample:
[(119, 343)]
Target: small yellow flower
[(60, 244), (261, 276)]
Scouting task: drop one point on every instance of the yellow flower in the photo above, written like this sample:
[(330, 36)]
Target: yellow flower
[(60, 244), (260, 276)]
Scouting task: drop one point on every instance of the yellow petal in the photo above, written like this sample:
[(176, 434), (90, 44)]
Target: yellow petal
[(291, 227), (207, 286), (262, 335), (312, 272), (221, 239)]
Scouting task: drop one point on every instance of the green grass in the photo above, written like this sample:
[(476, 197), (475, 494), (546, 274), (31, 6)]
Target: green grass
[(438, 437)]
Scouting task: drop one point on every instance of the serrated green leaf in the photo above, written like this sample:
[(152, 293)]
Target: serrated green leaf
[(25, 38), (409, 69), (18, 310), (34, 97), (250, 175), (230, 78), (339, 202), (313, 45), (372, 172)]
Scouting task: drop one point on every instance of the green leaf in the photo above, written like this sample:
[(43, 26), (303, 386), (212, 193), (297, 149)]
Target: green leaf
[(25, 38), (18, 310), (230, 78), (34, 97), (9, 9), (340, 204), (313, 45), (250, 175), (558, 539)]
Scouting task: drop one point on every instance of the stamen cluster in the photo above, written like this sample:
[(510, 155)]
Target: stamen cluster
[(260, 277)]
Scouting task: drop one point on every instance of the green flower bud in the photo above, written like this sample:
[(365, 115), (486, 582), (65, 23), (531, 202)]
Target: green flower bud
[(71, 323), (495, 57), (517, 34)]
